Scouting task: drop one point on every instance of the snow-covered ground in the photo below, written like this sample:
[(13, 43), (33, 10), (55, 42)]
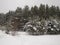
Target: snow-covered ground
[(24, 39)]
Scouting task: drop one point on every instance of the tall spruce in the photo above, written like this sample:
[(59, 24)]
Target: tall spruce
[(18, 11), (26, 12), (47, 11), (42, 10)]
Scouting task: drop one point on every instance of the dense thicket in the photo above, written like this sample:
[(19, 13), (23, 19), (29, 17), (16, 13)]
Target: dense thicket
[(15, 20), (43, 11)]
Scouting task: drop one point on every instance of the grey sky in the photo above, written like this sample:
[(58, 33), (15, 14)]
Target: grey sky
[(6, 5)]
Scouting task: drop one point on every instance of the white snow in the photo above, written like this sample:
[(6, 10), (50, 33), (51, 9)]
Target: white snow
[(52, 29), (54, 25), (55, 21), (29, 25), (43, 27), (58, 29), (35, 28), (29, 40)]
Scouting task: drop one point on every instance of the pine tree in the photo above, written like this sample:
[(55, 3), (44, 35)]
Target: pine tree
[(26, 12), (57, 11), (18, 11), (52, 10), (47, 11), (42, 10)]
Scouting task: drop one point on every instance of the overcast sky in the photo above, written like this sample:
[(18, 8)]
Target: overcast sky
[(6, 5)]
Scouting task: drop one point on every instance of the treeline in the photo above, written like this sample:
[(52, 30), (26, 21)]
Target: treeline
[(15, 20), (43, 11)]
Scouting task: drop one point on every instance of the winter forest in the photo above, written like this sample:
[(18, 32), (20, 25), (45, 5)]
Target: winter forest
[(42, 20)]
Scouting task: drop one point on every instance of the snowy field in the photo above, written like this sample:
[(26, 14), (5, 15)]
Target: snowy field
[(24, 39)]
